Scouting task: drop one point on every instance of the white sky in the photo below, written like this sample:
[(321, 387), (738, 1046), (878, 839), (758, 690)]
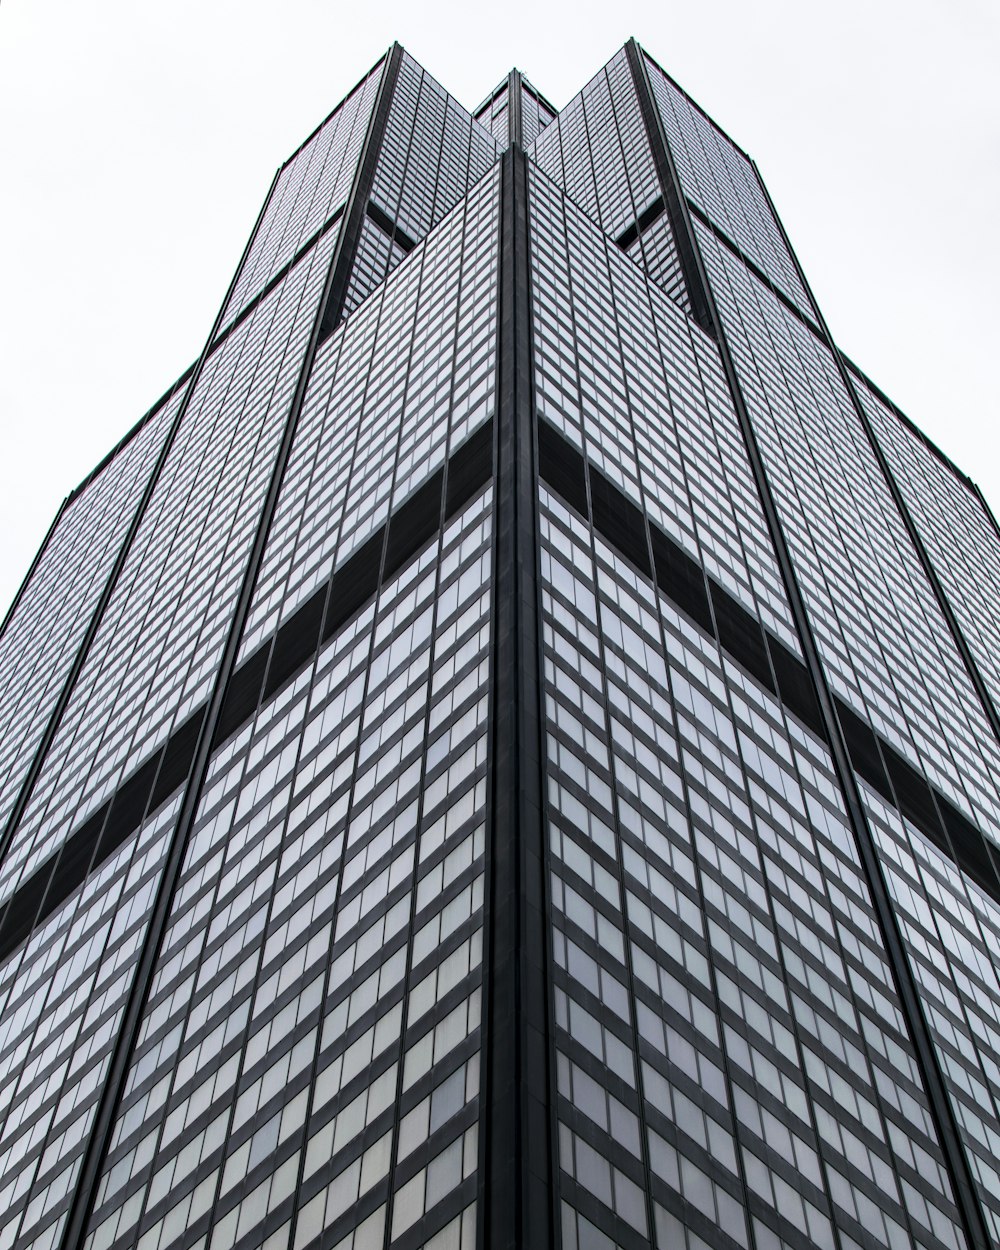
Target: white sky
[(137, 141)]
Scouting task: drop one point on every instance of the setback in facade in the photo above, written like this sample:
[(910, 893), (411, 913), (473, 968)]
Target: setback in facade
[(506, 752)]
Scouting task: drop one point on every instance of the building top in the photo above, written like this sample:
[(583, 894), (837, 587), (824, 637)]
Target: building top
[(537, 112)]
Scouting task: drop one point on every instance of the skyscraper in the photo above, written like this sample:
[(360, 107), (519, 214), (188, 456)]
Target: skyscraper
[(505, 752)]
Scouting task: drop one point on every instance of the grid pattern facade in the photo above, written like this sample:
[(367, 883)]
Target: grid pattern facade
[(535, 112), (721, 182), (50, 618), (431, 153), (505, 752), (309, 192), (157, 647), (598, 150), (699, 972), (494, 114)]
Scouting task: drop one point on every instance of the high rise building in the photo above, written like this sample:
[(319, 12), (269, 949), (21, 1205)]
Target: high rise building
[(506, 752)]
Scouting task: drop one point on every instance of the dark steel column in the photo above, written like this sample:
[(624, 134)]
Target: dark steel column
[(517, 1183), (357, 203), (515, 128), (335, 287), (933, 1077), (673, 197)]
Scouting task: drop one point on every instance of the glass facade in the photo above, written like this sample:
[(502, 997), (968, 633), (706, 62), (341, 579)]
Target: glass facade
[(505, 752)]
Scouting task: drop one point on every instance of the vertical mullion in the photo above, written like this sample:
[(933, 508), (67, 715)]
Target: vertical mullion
[(332, 306), (515, 126), (518, 1188), (702, 308)]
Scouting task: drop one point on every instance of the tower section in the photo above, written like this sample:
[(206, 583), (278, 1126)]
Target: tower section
[(504, 753)]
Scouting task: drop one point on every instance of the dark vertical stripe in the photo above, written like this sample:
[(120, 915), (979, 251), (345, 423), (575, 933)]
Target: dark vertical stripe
[(104, 1119), (680, 223), (933, 1078), (515, 124), (516, 1184), (357, 202)]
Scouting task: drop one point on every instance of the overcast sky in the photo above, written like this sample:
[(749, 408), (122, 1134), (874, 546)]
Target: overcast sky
[(137, 141)]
